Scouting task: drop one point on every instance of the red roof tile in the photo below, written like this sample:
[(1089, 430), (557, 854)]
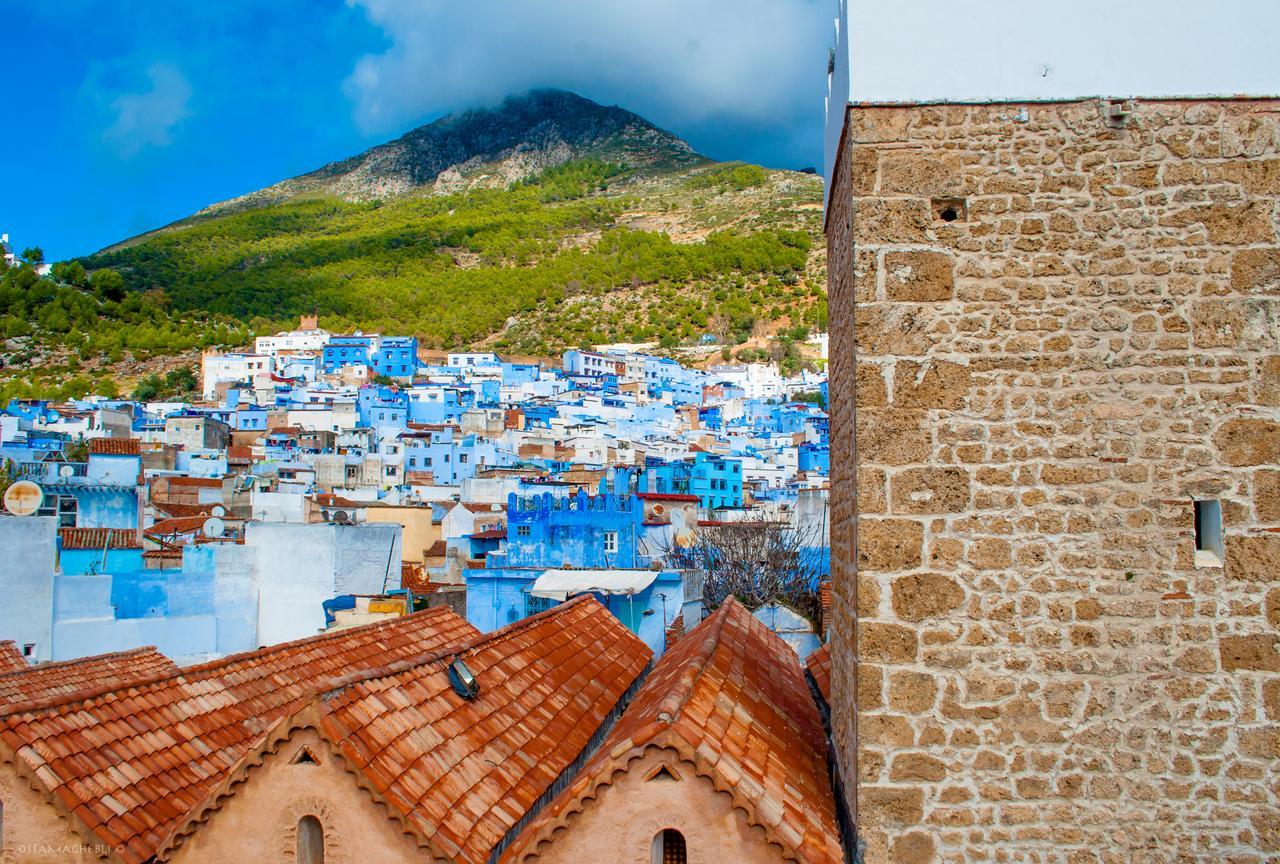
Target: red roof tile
[(546, 684), (819, 665), (114, 447), (664, 496), (11, 658), (99, 538), (732, 700), (172, 508), (45, 681), (176, 525), (132, 761), (200, 482), (490, 534)]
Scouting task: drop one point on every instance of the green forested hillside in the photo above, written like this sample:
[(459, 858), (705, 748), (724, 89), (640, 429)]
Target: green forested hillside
[(728, 245)]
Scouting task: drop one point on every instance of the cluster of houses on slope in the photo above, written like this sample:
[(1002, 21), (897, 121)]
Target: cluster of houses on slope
[(327, 480)]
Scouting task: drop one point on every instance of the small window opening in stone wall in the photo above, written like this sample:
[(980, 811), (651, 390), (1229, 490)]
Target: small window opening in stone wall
[(1208, 515), (310, 841), (950, 209), (668, 848)]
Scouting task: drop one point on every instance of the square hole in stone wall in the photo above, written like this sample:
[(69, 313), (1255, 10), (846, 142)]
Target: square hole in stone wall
[(950, 209), (1208, 516)]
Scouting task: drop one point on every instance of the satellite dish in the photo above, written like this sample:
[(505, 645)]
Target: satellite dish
[(213, 527), (218, 511), (23, 498), (67, 471), (342, 517)]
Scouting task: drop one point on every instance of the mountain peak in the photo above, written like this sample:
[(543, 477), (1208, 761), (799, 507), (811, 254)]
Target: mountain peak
[(523, 135)]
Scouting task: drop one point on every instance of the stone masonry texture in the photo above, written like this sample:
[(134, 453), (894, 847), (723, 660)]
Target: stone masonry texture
[(1052, 332)]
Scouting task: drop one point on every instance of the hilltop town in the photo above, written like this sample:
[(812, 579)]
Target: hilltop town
[(326, 479)]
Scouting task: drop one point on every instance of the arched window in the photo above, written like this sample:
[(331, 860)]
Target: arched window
[(668, 848), (310, 842)]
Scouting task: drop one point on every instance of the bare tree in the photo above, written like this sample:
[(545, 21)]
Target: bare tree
[(758, 560)]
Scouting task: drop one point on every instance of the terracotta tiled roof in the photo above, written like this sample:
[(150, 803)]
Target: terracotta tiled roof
[(45, 681), (664, 496), (481, 507), (731, 699), (824, 602), (130, 763), (819, 665), (438, 549), (177, 525), (11, 659), (490, 534), (675, 631), (546, 684), (172, 508), (199, 482), (99, 538), (114, 447)]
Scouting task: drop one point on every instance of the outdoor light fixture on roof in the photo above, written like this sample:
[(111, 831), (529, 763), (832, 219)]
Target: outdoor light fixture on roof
[(463, 681)]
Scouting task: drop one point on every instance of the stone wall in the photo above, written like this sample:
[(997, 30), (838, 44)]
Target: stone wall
[(1067, 328)]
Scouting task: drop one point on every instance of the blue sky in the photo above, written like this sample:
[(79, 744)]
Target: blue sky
[(126, 115)]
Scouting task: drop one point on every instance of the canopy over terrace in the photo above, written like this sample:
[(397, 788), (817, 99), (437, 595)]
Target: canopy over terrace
[(562, 584)]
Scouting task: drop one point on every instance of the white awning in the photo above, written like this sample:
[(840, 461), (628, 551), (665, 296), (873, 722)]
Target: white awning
[(563, 584)]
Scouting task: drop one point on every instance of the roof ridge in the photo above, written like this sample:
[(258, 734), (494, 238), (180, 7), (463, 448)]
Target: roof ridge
[(673, 703), (404, 664), (58, 664), (182, 672)]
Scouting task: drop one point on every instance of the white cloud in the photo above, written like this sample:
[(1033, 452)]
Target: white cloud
[(147, 118), (674, 61)]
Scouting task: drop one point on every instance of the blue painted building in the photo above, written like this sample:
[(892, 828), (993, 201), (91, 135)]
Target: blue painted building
[(716, 480), (395, 357), (353, 350), (814, 458), (382, 408), (596, 538)]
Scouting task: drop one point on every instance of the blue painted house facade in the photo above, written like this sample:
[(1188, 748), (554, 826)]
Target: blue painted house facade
[(577, 532)]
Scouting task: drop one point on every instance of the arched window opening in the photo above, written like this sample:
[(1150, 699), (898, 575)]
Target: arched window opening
[(668, 848), (310, 842)]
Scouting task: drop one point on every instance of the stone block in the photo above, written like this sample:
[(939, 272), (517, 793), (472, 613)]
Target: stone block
[(919, 491), (879, 642), (1256, 271), (890, 544), (912, 692), (1253, 558), (923, 175), (937, 384), (891, 329), (990, 553), (1268, 381), (886, 805), (1248, 441), (915, 847), (889, 436), (880, 221), (1266, 495), (871, 389), (916, 767), (1217, 323), (1250, 653), (1271, 607), (925, 595), (920, 277)]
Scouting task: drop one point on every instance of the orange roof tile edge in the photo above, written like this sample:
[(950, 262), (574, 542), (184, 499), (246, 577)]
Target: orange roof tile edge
[(692, 658), (819, 665), (11, 659), (166, 668)]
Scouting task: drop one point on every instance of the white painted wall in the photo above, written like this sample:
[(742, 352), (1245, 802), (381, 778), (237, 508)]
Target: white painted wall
[(1022, 50)]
